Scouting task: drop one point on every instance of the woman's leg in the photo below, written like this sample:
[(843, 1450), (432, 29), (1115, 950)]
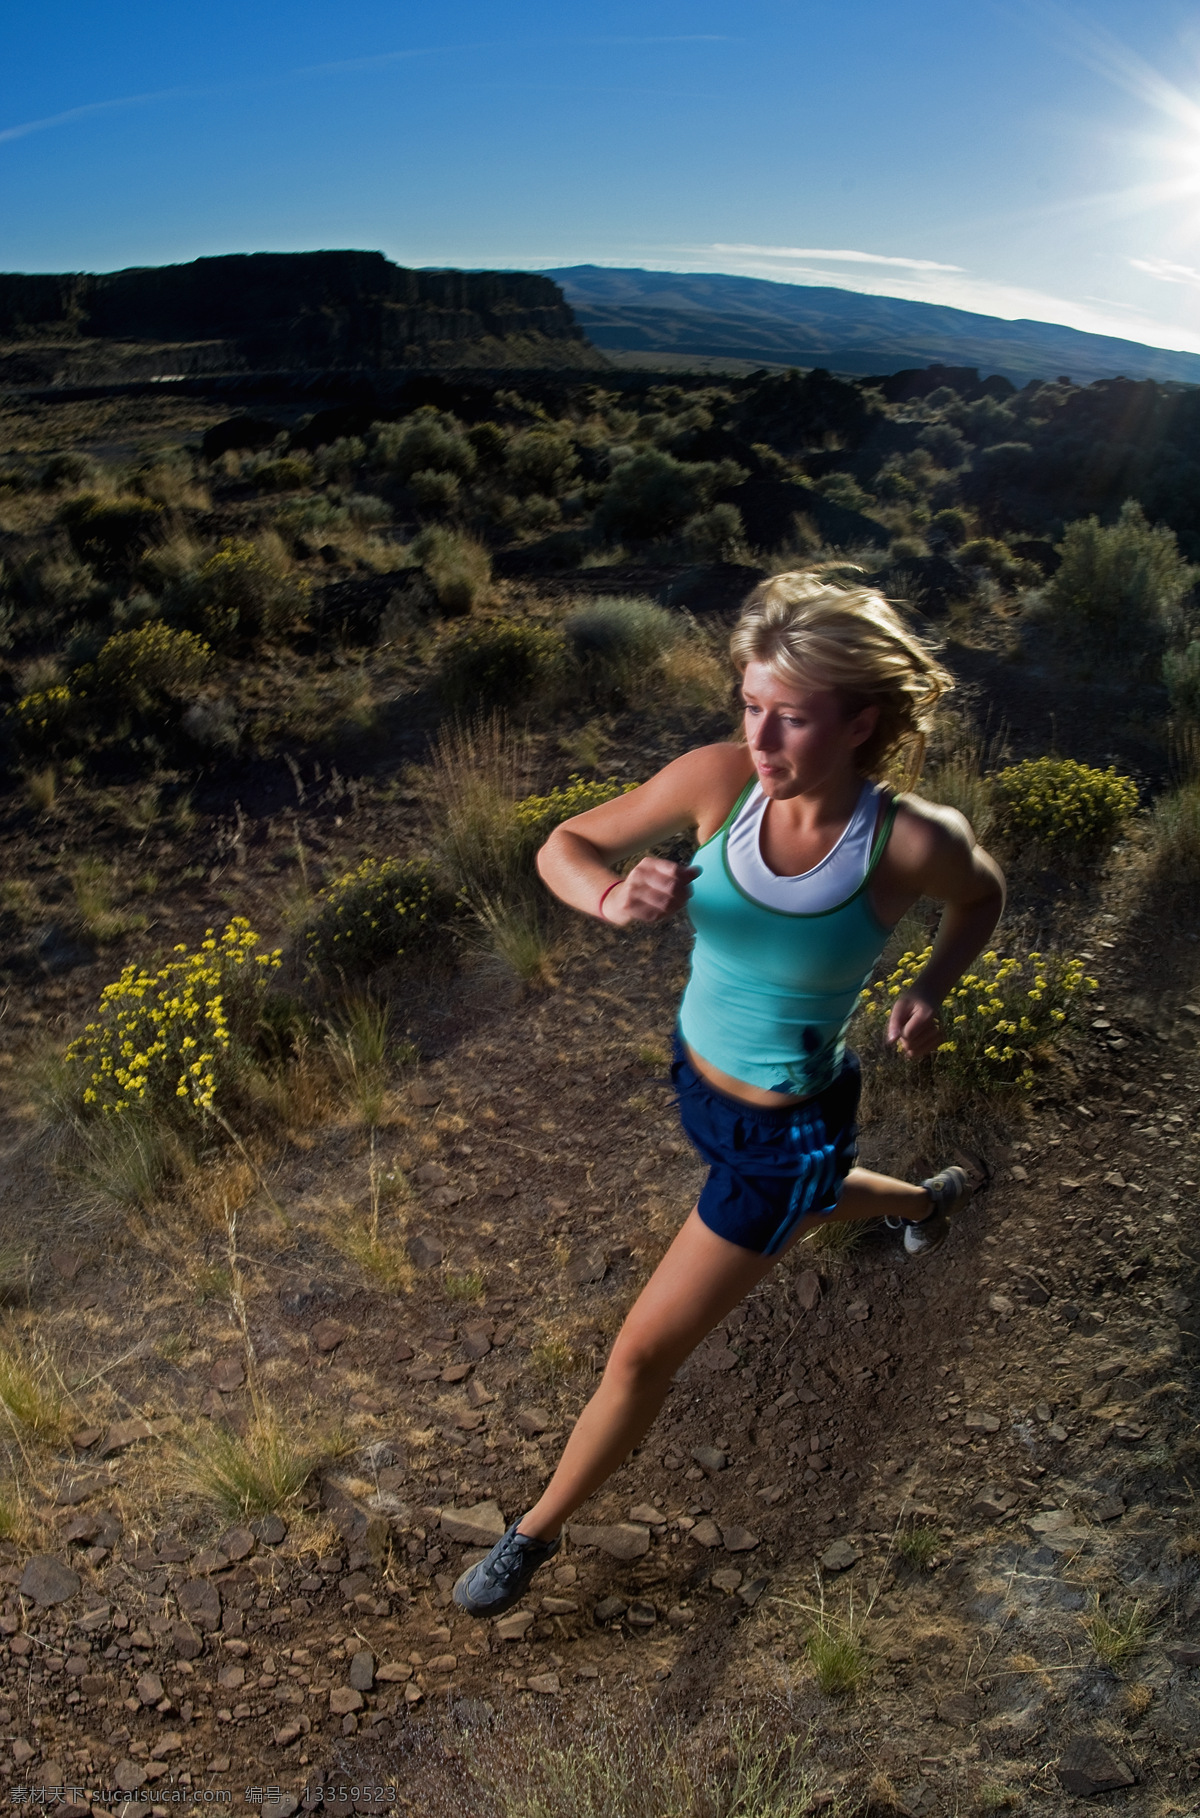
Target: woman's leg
[(699, 1280), (867, 1195)]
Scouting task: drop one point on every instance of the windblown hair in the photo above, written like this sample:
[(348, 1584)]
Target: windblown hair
[(825, 628)]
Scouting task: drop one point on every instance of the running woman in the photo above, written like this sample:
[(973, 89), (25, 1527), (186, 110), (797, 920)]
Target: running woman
[(805, 862)]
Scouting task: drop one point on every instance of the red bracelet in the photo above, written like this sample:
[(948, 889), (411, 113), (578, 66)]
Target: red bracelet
[(600, 904)]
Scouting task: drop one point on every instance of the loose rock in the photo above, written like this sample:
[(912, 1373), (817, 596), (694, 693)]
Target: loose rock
[(47, 1580), (479, 1526), (620, 1540), (840, 1556), (1089, 1766)]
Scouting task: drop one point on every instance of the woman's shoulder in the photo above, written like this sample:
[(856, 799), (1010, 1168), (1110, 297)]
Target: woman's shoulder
[(927, 828)]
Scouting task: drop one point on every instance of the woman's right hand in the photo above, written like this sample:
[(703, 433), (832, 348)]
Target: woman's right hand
[(655, 889)]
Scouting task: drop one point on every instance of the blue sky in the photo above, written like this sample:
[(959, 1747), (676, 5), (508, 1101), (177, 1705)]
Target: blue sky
[(1024, 158)]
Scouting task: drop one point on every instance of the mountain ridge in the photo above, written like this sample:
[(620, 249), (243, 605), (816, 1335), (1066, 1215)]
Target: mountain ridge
[(626, 309)]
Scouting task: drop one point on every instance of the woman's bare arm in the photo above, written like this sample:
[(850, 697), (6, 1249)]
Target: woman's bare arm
[(578, 860), (934, 851)]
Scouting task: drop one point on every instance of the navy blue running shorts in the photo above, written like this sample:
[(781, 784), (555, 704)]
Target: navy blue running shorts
[(768, 1168)]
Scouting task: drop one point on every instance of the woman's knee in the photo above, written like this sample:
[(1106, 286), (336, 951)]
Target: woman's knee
[(643, 1360)]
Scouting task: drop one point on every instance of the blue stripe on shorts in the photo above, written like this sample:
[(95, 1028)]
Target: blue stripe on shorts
[(768, 1168)]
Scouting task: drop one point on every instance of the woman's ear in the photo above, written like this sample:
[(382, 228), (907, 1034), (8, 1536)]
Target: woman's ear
[(863, 724)]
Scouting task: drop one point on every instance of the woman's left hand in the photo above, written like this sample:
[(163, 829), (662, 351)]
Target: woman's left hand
[(914, 1025)]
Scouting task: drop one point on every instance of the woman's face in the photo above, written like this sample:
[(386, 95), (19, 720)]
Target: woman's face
[(800, 738)]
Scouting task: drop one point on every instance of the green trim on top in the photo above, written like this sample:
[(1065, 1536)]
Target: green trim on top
[(814, 915), (727, 823)]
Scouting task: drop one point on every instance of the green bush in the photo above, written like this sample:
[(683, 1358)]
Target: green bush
[(239, 595), (500, 663), (951, 524), (1181, 673), (374, 914), (144, 669), (458, 568), (428, 441), (651, 494), (1175, 832), (715, 535), (1116, 585), (110, 534), (843, 489), (947, 447), (618, 641), (541, 461), (341, 460), (287, 474), (489, 443), (1060, 803), (435, 492)]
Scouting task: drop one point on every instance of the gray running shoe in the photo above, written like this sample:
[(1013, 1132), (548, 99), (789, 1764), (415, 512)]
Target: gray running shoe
[(502, 1578), (949, 1191)]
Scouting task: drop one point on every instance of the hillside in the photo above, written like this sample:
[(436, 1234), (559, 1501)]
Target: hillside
[(278, 312), (710, 315)]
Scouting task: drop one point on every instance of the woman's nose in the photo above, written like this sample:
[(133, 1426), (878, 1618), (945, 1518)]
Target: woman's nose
[(762, 734)]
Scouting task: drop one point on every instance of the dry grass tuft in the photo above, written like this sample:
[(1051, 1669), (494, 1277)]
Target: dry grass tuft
[(1118, 1636), (470, 1285), (626, 1764), (33, 1399), (918, 1547), (259, 1473), (836, 1240)]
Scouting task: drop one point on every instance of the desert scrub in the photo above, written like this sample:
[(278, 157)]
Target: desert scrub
[(171, 1044), (458, 568), (240, 594), (501, 663), (111, 534), (998, 1019), (619, 643), (1063, 804), (1175, 832), (1118, 585), (142, 671), (374, 914)]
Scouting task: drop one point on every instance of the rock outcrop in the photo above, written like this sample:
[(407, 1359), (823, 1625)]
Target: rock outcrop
[(281, 312)]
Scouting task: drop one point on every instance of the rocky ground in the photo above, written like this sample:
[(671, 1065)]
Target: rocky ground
[(1026, 1394)]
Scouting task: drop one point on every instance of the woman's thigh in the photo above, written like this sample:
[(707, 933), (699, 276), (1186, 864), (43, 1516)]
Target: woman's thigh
[(701, 1278)]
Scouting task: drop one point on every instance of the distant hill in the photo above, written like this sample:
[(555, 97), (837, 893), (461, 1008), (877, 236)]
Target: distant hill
[(279, 311), (710, 315)]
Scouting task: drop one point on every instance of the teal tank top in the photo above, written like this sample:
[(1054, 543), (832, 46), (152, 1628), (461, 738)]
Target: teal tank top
[(770, 993)]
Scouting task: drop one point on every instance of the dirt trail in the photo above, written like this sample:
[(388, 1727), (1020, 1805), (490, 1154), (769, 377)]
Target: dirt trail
[(1027, 1392)]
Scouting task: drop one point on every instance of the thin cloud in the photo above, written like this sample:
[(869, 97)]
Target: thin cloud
[(843, 257), (1168, 272), (90, 107)]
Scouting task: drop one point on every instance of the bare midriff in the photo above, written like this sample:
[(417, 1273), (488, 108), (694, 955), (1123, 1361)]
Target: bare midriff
[(737, 1088)]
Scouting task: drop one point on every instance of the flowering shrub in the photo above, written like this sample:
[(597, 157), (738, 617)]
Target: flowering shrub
[(142, 669), (1061, 803), (169, 1042), (538, 815), (997, 1017), (43, 719), (375, 913), (240, 594)]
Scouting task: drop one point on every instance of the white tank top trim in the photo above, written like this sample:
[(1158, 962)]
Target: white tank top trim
[(838, 876)]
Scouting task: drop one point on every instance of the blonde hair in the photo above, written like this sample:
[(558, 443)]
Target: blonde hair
[(826, 628)]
